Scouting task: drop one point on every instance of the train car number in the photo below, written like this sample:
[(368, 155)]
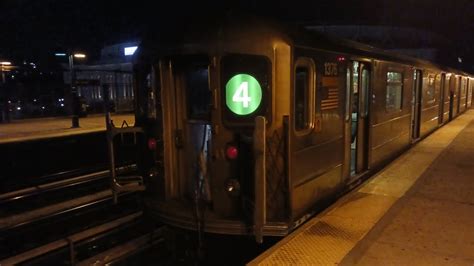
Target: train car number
[(330, 69)]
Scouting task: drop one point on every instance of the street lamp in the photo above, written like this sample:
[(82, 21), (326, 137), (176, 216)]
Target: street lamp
[(2, 68), (75, 100)]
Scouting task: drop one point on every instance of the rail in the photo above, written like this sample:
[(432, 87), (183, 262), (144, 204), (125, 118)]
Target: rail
[(89, 236), (121, 183), (61, 184), (40, 226)]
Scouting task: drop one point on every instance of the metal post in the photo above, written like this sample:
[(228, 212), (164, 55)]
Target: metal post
[(4, 107), (259, 144), (74, 99), (3, 74)]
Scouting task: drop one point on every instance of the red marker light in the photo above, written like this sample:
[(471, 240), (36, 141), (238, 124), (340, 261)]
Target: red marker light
[(341, 58), (152, 144), (232, 152)]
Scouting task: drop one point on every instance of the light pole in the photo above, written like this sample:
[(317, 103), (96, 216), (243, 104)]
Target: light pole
[(5, 110), (74, 97), (2, 65)]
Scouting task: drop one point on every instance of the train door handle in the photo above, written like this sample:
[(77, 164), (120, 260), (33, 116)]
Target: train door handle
[(178, 138)]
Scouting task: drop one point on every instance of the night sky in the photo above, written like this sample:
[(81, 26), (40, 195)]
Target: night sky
[(34, 29)]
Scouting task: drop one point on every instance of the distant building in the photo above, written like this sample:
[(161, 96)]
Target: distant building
[(114, 69)]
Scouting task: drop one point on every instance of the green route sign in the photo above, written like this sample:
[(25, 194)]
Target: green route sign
[(243, 94)]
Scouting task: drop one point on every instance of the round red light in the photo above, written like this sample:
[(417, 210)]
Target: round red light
[(232, 152), (152, 144)]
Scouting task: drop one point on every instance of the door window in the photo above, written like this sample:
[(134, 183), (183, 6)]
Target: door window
[(365, 92), (394, 91), (304, 94), (197, 92)]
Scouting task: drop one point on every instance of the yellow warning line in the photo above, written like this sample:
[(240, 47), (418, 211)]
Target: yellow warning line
[(330, 236)]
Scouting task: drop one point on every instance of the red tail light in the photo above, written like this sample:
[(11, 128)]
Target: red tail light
[(232, 152), (152, 144)]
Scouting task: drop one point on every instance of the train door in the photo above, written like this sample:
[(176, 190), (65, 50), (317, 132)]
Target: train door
[(458, 91), (469, 92), (446, 98), (453, 103), (359, 95), (463, 94), (192, 136), (416, 106), (440, 82)]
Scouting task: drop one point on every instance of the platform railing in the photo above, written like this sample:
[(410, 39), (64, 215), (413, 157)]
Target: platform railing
[(119, 183)]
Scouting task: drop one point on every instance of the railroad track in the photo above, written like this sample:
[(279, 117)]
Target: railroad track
[(106, 243), (35, 222), (34, 197)]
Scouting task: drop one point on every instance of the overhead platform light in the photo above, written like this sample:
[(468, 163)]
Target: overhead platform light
[(129, 50)]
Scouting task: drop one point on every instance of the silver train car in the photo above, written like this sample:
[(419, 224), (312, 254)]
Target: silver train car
[(253, 125)]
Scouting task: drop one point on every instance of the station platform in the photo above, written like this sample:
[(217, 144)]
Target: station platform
[(418, 210), (33, 129)]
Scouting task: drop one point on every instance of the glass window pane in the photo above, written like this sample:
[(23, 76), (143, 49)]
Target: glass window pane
[(394, 77), (301, 98), (348, 92), (365, 90), (198, 93), (394, 91), (430, 91), (463, 87)]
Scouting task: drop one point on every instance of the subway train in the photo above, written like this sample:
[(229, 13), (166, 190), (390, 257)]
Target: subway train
[(251, 125)]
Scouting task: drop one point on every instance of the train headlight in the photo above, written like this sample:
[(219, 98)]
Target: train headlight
[(232, 187)]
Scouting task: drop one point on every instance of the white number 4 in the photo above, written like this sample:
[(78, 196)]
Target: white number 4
[(242, 94)]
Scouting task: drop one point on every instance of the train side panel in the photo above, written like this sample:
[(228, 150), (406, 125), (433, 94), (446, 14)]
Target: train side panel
[(390, 122), (317, 155), (446, 98), (430, 106), (454, 90)]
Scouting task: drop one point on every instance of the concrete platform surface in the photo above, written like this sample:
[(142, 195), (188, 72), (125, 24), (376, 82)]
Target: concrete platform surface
[(31, 129), (419, 210)]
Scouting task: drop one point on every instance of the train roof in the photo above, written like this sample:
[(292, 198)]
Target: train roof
[(212, 32)]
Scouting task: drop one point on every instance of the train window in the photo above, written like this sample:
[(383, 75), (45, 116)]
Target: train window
[(150, 96), (355, 77), (197, 92), (246, 88), (148, 83), (304, 94), (348, 94), (463, 87), (447, 80), (394, 94), (438, 86), (471, 87), (192, 75), (364, 92), (430, 90)]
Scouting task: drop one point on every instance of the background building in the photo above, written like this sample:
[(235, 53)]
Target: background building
[(114, 68)]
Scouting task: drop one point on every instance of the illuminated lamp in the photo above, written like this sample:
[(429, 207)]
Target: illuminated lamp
[(231, 152), (129, 50)]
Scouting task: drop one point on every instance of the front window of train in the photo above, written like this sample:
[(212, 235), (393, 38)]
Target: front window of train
[(148, 82)]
